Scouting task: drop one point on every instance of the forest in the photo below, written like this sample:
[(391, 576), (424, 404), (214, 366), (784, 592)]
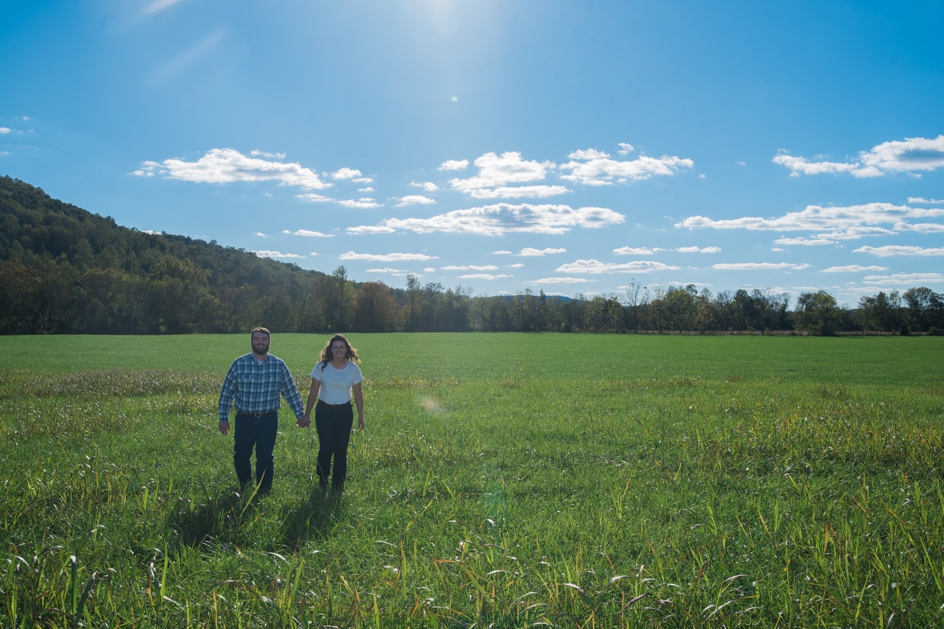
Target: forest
[(64, 270)]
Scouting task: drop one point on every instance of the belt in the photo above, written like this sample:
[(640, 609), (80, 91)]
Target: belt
[(345, 405), (256, 415)]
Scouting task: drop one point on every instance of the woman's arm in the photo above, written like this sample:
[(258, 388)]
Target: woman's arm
[(359, 401)]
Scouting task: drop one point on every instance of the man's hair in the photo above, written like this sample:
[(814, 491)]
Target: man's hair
[(262, 330)]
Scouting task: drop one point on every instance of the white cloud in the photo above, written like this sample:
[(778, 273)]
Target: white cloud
[(346, 173), (853, 268), (591, 167), (256, 153), (366, 202), (497, 171), (834, 223), (483, 276), (504, 218), (259, 234), (427, 186), (908, 155), (312, 234), (698, 250), (313, 253), (923, 200), (414, 199), (517, 265), (367, 189), (922, 228), (275, 254), (900, 250), (429, 269), (778, 249), (4, 130), (387, 257), (314, 198), (636, 251), (562, 280), (370, 229), (529, 252), (625, 148), (905, 278), (453, 267), (501, 253), (454, 164), (386, 270), (229, 165), (805, 241), (595, 266), (759, 266)]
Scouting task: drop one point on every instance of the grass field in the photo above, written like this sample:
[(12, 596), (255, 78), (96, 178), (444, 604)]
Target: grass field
[(504, 480)]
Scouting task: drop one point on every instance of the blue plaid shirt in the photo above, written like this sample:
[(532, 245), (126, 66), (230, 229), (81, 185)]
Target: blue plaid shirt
[(256, 387)]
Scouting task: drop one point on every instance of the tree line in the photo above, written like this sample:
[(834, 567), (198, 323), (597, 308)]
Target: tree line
[(66, 270)]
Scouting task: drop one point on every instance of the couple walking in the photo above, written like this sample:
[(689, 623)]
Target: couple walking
[(257, 380)]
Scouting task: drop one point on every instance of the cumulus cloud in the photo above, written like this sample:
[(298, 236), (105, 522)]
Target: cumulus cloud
[(905, 278), (908, 155), (504, 218), (595, 266), (625, 148), (346, 173), (256, 153), (529, 252), (370, 229), (312, 234), (314, 198), (698, 250), (853, 268), (833, 223), (483, 276), (591, 167), (501, 253), (923, 200), (229, 165), (260, 234), (636, 251), (759, 266), (386, 257), (517, 265), (366, 202), (387, 270), (414, 199), (562, 280), (427, 186), (900, 250), (275, 254), (800, 240), (496, 172), (453, 267), (4, 130), (454, 164)]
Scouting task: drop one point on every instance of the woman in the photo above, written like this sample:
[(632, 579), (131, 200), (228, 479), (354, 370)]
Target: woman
[(333, 380)]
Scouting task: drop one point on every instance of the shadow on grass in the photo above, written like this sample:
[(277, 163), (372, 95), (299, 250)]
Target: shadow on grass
[(216, 520), (313, 519)]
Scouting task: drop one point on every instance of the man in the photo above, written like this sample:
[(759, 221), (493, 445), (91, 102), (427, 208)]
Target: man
[(255, 381)]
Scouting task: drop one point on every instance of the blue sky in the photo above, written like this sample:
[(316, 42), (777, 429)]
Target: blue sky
[(567, 146)]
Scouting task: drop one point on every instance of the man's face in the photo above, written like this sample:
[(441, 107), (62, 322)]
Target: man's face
[(260, 343)]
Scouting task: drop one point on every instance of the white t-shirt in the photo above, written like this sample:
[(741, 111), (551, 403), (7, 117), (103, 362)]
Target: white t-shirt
[(336, 383)]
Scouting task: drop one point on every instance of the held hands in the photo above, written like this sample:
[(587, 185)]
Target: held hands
[(304, 421)]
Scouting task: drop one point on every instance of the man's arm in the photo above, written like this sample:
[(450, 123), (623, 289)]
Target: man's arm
[(290, 393), (227, 393)]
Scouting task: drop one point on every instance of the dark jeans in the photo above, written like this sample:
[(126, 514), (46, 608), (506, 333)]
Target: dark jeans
[(259, 432), (334, 432)]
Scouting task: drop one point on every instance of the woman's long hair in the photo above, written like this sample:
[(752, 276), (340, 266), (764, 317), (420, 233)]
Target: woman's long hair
[(326, 354)]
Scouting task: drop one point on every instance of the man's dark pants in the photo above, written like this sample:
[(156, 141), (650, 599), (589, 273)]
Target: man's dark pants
[(334, 424), (259, 432)]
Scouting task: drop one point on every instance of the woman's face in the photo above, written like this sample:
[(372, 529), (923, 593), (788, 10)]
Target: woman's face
[(339, 349)]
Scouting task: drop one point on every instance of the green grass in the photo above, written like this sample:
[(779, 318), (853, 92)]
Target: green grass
[(507, 480)]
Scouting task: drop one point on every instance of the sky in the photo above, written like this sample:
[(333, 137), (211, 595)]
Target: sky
[(569, 146)]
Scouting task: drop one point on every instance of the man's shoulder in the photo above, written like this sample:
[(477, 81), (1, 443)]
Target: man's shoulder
[(275, 360), (243, 358)]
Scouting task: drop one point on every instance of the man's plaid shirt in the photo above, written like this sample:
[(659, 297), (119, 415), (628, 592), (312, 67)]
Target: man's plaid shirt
[(256, 387)]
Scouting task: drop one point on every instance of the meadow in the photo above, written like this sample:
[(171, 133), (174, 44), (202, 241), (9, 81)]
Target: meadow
[(505, 480)]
